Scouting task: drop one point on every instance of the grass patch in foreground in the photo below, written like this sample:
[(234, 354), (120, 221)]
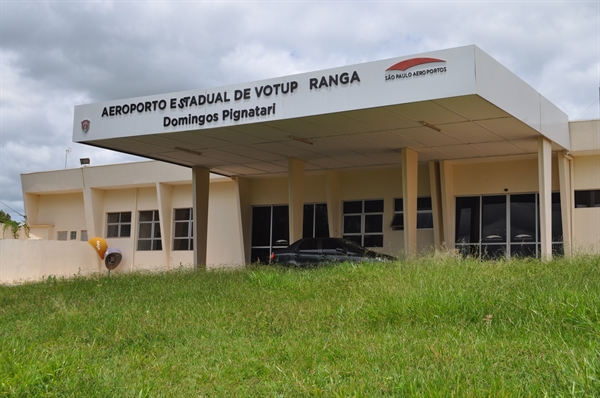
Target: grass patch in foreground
[(430, 327)]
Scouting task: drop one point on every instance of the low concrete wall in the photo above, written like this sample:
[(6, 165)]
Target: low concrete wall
[(6, 232), (30, 260)]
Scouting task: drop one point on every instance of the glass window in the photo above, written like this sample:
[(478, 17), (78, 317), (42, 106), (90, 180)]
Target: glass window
[(493, 215), (183, 229), (363, 222), (84, 235), (118, 225), (270, 230), (493, 219), (587, 198), (424, 214), (149, 231), (316, 224), (73, 235), (270, 227), (61, 235)]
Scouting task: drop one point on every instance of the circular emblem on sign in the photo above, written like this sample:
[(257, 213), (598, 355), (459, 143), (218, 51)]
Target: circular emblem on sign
[(85, 125)]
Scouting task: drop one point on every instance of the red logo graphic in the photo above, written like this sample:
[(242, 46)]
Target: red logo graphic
[(409, 63), (85, 125)]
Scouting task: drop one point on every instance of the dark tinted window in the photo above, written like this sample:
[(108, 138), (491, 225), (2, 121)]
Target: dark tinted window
[(308, 246), (493, 218), (374, 206), (588, 198), (353, 207), (467, 219), (331, 246), (373, 241), (261, 226), (281, 229)]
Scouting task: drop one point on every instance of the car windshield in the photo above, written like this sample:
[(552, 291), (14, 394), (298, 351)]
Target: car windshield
[(352, 246)]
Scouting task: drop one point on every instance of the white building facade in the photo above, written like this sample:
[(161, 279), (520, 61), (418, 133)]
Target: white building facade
[(444, 150)]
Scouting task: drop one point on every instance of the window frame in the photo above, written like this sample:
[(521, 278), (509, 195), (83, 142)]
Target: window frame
[(189, 239), (422, 208), (363, 238), (479, 248), (155, 238), (119, 224), (586, 198)]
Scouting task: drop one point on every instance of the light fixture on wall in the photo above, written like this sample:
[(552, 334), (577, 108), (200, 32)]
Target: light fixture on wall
[(429, 125), (188, 151), (304, 140), (84, 161)]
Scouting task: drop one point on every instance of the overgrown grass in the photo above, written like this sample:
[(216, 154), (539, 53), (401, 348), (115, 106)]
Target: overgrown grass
[(433, 327)]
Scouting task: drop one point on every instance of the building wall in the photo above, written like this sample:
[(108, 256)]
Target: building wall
[(586, 221), (499, 177), (65, 212)]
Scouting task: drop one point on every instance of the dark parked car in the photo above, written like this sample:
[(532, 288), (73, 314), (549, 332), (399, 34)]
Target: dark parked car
[(313, 251)]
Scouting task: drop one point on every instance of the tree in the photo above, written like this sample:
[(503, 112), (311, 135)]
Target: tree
[(4, 217)]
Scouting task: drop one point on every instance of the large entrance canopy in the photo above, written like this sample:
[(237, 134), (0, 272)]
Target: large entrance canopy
[(451, 104), (437, 107)]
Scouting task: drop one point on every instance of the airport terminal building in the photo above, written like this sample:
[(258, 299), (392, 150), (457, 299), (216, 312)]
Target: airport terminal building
[(436, 151)]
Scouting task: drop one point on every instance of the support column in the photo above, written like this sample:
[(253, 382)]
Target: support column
[(243, 187), (448, 203), (436, 204), (295, 198), (566, 206), (334, 202), (164, 194), (545, 186), (200, 187), (410, 165)]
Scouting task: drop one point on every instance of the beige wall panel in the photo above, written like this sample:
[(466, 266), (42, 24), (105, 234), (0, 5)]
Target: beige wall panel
[(147, 199), (182, 196), (586, 172), (269, 191), (586, 230), (224, 245), (22, 260), (585, 136), (117, 200), (182, 258), (65, 211), (484, 178), (314, 189), (150, 260), (586, 221)]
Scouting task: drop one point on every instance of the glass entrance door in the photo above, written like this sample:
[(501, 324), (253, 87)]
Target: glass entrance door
[(500, 226)]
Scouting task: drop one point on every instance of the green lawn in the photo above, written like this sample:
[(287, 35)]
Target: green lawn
[(430, 327)]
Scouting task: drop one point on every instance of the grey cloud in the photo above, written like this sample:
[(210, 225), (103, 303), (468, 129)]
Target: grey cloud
[(58, 54)]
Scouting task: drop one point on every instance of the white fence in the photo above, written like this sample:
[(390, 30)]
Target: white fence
[(30, 260)]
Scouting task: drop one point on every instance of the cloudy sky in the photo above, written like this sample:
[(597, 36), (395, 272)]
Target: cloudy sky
[(58, 54)]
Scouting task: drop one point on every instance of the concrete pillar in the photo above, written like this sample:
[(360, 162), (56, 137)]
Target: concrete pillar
[(545, 186), (566, 205), (448, 203), (164, 194), (200, 188), (410, 165), (334, 203), (243, 189), (296, 198), (436, 203)]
